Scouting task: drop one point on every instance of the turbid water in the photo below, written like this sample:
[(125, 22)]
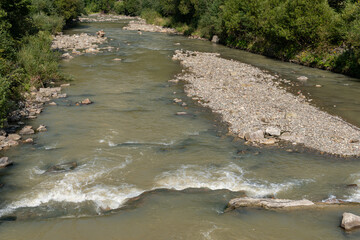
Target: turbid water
[(183, 169)]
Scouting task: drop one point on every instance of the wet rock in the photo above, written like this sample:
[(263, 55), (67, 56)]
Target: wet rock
[(181, 113), (14, 137), (273, 131), (269, 141), (86, 101), (65, 85), (4, 162), (215, 39), (100, 33), (27, 130), (52, 104), (117, 59), (350, 221), (66, 56), (62, 167), (63, 95), (29, 140), (302, 78), (353, 185), (318, 86), (177, 100), (41, 128), (256, 136), (268, 203)]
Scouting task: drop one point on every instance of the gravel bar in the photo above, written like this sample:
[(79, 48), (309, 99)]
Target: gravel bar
[(259, 110)]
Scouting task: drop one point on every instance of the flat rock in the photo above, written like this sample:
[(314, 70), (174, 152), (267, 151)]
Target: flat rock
[(29, 140), (350, 221), (268, 203), (52, 104), (4, 162), (62, 167), (14, 137), (27, 130)]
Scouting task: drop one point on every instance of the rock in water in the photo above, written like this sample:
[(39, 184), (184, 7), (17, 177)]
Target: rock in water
[(215, 39), (27, 130), (268, 203), (302, 78), (4, 162), (101, 33), (86, 101), (62, 167), (14, 137), (350, 221), (41, 128)]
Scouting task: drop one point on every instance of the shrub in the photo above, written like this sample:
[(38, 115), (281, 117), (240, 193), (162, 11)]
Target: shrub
[(52, 24), (39, 61), (132, 7), (119, 7)]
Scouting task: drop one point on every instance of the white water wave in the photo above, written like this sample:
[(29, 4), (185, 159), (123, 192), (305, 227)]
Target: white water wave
[(230, 177)]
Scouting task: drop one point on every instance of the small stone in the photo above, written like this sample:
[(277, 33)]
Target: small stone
[(184, 104), (177, 100), (273, 131), (354, 140), (350, 221), (29, 140), (66, 56), (353, 185), (41, 128), (302, 78), (14, 137), (86, 101), (27, 130), (181, 113), (63, 95), (177, 44), (269, 141), (101, 33), (4, 162), (52, 104), (117, 59), (65, 85), (318, 86)]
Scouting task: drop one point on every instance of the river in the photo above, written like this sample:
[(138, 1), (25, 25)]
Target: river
[(183, 169)]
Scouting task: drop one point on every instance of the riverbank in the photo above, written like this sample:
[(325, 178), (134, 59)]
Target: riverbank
[(259, 110)]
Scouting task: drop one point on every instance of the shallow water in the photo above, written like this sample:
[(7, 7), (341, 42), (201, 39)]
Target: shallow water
[(130, 142)]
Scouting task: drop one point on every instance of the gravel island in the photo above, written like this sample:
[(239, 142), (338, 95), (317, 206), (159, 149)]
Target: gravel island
[(259, 110)]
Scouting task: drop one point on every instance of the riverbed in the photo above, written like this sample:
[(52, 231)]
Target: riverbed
[(181, 169)]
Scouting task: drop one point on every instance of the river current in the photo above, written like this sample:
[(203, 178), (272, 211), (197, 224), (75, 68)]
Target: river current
[(178, 170)]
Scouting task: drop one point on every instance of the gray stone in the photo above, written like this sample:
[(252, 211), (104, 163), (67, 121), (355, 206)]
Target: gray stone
[(273, 131), (4, 162), (256, 136), (62, 167), (350, 221)]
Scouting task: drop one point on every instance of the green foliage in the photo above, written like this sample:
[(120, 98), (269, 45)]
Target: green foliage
[(52, 24), (119, 7), (132, 7), (69, 9), (99, 5), (39, 61)]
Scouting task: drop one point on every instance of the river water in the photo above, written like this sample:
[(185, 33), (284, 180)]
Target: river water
[(179, 171)]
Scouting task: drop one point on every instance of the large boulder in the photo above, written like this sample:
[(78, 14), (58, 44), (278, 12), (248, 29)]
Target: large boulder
[(350, 221), (268, 203), (4, 162)]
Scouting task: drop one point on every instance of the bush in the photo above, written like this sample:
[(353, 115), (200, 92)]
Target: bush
[(52, 24), (69, 9), (39, 61), (119, 7), (132, 7)]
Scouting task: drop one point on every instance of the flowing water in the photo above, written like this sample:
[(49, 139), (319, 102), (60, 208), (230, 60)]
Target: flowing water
[(178, 171)]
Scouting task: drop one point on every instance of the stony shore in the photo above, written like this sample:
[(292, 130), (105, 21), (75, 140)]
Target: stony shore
[(141, 25), (98, 17), (259, 110)]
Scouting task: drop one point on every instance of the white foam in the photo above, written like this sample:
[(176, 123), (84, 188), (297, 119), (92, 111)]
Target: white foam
[(230, 177)]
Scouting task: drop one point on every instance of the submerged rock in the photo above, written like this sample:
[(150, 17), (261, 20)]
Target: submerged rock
[(267, 203), (41, 128), (86, 101), (4, 162), (350, 221), (62, 167), (302, 78)]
